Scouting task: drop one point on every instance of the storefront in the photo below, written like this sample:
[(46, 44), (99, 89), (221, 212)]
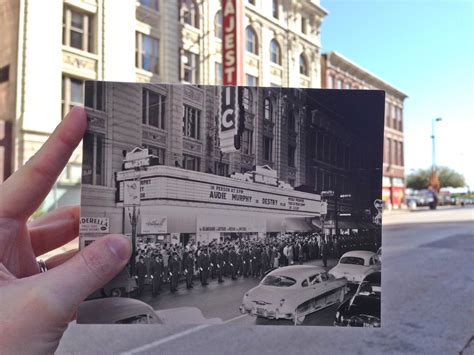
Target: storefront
[(173, 205)]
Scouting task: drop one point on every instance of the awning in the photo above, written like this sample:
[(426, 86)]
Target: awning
[(295, 224), (353, 225)]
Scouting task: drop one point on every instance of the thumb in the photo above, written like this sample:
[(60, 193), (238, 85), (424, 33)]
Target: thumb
[(70, 283)]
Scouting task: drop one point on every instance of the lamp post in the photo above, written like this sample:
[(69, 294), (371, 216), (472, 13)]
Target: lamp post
[(433, 156), (434, 181)]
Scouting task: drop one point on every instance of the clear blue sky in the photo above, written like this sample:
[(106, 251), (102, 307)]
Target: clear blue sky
[(426, 49)]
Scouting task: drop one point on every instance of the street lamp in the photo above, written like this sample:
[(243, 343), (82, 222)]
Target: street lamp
[(434, 181), (433, 156)]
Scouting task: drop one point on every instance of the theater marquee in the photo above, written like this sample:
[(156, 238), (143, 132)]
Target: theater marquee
[(187, 190)]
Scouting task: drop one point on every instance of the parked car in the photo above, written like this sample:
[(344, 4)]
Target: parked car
[(355, 265), (293, 292), (116, 310), (363, 309)]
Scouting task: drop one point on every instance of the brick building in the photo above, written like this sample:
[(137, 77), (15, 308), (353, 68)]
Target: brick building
[(339, 72)]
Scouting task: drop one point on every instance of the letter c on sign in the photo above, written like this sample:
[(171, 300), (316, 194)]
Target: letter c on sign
[(226, 122)]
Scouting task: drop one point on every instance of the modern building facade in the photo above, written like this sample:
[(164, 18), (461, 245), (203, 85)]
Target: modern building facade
[(339, 72)]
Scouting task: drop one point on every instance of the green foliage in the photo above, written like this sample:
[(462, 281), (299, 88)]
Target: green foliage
[(447, 177)]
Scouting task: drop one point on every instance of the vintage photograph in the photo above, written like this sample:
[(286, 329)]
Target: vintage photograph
[(244, 205)]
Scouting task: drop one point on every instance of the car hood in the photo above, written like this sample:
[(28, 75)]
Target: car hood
[(268, 294), (362, 306)]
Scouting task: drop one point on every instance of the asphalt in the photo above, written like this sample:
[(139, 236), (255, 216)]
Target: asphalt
[(427, 307)]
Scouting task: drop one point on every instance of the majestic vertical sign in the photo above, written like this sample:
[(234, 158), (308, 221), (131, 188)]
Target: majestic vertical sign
[(231, 48), (229, 119)]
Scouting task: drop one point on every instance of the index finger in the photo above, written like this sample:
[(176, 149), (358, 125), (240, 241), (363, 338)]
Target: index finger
[(25, 190)]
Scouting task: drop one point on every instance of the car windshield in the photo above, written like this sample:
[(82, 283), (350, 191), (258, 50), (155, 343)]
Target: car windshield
[(138, 319), (278, 280), (369, 289), (352, 260)]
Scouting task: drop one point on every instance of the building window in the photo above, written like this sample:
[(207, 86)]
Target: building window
[(330, 84), (347, 85), (389, 151), (191, 13), (157, 152), (247, 100), (251, 38), (192, 122), (191, 162), (4, 74), (191, 67), (221, 169), (93, 159), (400, 119), (275, 52), (247, 141), (151, 4), (303, 65), (400, 151), (267, 148), (275, 9), (72, 94), (338, 84), (95, 95), (146, 53), (292, 118), (219, 76), (78, 30), (153, 109), (218, 24), (291, 156), (268, 109), (395, 153), (251, 80), (304, 25)]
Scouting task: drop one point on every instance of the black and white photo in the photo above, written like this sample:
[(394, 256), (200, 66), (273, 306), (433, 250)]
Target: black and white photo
[(244, 205)]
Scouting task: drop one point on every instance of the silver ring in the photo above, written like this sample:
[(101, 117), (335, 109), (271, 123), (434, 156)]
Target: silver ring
[(42, 265)]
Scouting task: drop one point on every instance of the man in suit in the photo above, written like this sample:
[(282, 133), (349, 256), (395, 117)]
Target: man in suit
[(189, 269), (140, 275), (220, 265), (204, 266), (233, 263), (157, 270), (174, 272)]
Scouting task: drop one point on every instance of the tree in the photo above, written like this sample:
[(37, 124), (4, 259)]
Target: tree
[(447, 177)]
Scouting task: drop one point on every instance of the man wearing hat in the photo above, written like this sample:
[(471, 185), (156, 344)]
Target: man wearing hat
[(140, 274), (204, 266), (157, 270), (189, 269), (174, 272)]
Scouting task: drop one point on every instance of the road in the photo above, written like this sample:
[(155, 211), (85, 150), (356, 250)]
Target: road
[(427, 306), (223, 300)]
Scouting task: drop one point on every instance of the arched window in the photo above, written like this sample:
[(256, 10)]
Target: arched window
[(247, 100), (191, 13), (251, 37), (218, 24), (303, 65), (275, 52), (268, 113)]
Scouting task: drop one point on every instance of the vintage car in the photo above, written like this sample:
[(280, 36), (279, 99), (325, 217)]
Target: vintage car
[(292, 292), (116, 310), (363, 309), (355, 265)]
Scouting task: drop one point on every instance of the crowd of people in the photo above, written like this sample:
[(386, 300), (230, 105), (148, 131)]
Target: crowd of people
[(158, 264)]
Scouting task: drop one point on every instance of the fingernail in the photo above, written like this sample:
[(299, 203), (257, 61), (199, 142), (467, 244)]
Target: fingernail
[(120, 246)]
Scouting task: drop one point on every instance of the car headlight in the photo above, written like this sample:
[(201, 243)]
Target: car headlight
[(282, 301)]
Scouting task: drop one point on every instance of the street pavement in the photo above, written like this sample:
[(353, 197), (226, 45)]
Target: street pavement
[(427, 308), (223, 300)]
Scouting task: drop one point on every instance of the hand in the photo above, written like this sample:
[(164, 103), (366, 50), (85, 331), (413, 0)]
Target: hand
[(37, 307)]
